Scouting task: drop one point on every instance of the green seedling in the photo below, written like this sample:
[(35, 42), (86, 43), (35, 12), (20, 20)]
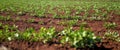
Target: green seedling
[(69, 23), (112, 35), (83, 24), (46, 34), (5, 18), (40, 22), (109, 25), (79, 39), (30, 20)]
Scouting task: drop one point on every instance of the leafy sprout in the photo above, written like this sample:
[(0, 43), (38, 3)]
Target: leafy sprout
[(80, 38), (109, 25), (112, 35)]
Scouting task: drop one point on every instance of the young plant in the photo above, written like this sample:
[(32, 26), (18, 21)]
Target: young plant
[(83, 24), (46, 35), (5, 18), (14, 27), (112, 36), (0, 24), (40, 22), (6, 35), (17, 18), (26, 35), (30, 20), (80, 38), (69, 23), (109, 25)]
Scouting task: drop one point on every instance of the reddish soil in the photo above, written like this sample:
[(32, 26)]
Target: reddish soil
[(95, 26)]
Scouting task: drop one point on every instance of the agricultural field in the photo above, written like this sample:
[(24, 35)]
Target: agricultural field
[(60, 24)]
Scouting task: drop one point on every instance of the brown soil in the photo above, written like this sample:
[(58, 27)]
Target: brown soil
[(95, 26)]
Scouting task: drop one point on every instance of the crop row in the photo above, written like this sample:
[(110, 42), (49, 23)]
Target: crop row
[(79, 38), (61, 9), (107, 25), (76, 38)]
